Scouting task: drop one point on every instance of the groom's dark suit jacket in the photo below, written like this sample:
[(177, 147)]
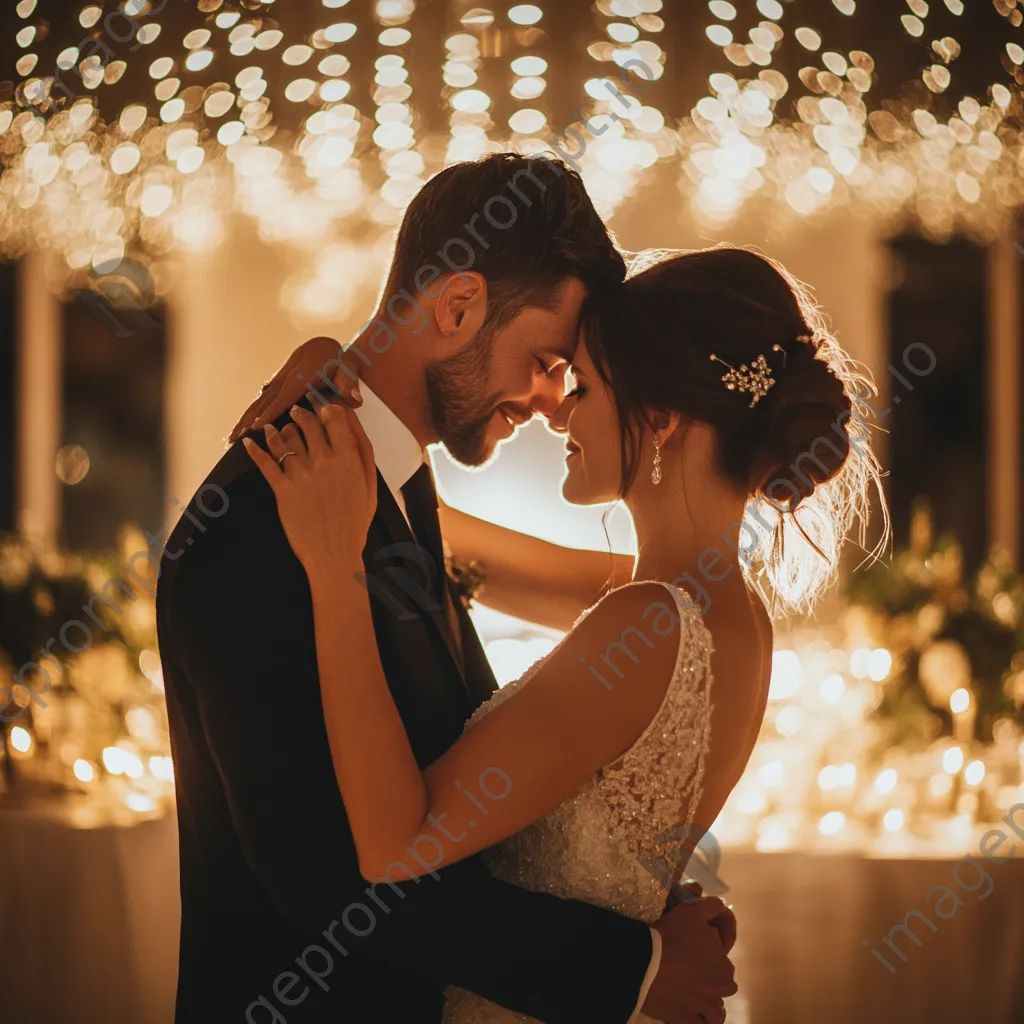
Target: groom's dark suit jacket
[(268, 863)]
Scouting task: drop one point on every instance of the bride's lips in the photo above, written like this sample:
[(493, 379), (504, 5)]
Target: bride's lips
[(571, 450)]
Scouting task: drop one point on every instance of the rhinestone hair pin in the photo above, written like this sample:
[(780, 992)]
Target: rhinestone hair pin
[(755, 380)]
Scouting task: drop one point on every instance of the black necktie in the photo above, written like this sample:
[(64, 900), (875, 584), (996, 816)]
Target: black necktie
[(421, 508)]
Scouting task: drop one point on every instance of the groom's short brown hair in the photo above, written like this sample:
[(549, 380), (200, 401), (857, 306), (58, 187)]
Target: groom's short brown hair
[(524, 223)]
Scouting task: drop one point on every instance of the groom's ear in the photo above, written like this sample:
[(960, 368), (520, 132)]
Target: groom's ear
[(461, 308)]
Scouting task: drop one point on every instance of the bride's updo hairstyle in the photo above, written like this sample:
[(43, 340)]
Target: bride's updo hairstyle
[(803, 453)]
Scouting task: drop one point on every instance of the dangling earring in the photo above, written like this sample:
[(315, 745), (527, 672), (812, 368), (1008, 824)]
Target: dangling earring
[(656, 472)]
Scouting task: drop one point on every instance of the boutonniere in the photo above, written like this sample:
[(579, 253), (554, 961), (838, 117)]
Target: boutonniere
[(469, 577)]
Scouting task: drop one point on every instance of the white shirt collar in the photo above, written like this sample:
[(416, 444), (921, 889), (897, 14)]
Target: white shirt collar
[(397, 453)]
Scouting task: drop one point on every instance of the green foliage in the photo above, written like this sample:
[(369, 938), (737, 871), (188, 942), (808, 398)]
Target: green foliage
[(933, 620), (111, 617)]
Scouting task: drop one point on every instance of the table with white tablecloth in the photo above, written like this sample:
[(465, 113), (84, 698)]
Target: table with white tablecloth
[(89, 917), (802, 918), (89, 920)]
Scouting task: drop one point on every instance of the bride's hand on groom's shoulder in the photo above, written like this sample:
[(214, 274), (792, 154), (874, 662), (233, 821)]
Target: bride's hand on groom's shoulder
[(315, 361), (322, 472)]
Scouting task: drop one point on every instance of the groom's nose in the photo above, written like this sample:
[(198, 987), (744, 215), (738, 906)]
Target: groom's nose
[(558, 421), (547, 398)]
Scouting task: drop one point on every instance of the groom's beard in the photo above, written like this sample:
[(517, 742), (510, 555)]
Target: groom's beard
[(461, 416)]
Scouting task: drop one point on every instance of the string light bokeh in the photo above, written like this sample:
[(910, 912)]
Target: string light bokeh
[(328, 165)]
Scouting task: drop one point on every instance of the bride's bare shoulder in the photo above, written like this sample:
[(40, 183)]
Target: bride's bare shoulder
[(648, 608), (631, 635), (649, 605)]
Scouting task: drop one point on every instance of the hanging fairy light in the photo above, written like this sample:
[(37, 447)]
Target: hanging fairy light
[(468, 103), (622, 136), (530, 120), (529, 124), (327, 147), (395, 135), (882, 159), (726, 155), (166, 171)]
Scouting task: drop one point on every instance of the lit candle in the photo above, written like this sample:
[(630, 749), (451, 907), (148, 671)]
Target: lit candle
[(963, 709)]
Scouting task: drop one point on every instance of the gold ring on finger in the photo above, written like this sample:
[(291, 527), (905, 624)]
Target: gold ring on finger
[(283, 456)]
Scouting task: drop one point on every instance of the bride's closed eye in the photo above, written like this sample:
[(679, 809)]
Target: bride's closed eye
[(576, 386)]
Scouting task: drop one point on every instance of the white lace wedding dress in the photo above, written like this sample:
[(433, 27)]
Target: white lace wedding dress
[(589, 846)]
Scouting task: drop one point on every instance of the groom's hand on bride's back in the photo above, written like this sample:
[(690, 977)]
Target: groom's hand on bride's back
[(695, 974), (724, 922)]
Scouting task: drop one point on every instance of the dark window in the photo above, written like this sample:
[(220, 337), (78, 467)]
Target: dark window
[(938, 427), (1020, 397), (113, 408), (8, 374)]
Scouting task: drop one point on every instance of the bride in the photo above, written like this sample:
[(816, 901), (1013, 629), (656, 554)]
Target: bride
[(711, 398)]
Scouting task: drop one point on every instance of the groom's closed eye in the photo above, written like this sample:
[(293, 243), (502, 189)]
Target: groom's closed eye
[(552, 367)]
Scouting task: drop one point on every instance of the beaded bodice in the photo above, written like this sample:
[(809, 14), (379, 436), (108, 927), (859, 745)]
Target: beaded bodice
[(594, 845)]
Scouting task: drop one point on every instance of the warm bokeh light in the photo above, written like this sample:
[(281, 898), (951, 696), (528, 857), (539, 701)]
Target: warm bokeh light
[(886, 781), (21, 739), (119, 761), (953, 760), (959, 701), (832, 689), (893, 820), (785, 681), (832, 823), (525, 14)]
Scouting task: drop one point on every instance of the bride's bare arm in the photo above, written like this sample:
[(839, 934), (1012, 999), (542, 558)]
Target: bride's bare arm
[(532, 578), (523, 758)]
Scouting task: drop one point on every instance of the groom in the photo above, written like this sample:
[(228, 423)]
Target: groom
[(277, 926)]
